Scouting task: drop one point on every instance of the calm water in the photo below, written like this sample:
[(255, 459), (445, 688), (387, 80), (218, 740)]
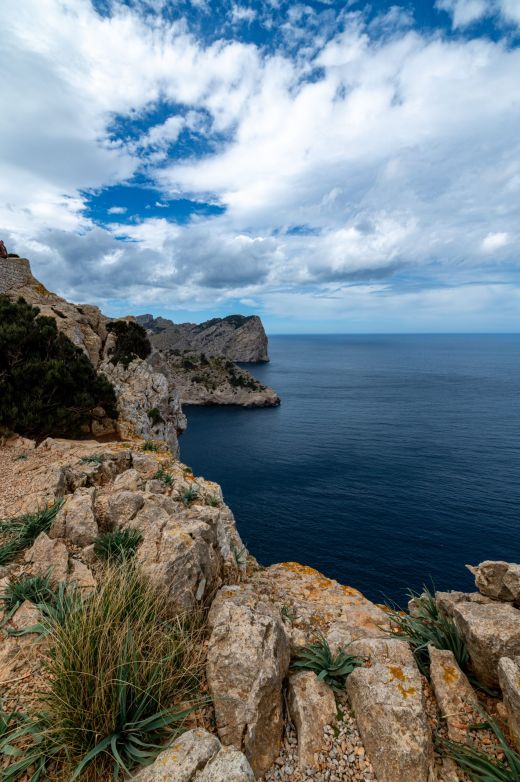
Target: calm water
[(392, 460)]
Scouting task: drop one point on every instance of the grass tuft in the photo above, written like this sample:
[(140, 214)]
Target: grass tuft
[(118, 546), (120, 673), (23, 530), (165, 477), (37, 589), (332, 669), (189, 495), (93, 458), (149, 445)]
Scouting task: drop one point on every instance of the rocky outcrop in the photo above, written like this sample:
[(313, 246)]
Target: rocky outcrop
[(509, 679), (498, 580), (311, 706), (248, 659), (455, 695), (200, 380), (387, 698), (236, 337)]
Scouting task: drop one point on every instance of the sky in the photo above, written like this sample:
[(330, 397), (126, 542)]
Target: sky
[(332, 166)]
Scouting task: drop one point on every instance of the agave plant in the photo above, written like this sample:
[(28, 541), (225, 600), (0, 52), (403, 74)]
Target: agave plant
[(332, 669), (479, 766), (427, 625), (37, 589), (33, 761), (23, 530), (165, 477), (118, 545)]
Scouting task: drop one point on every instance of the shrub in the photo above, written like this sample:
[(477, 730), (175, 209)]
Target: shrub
[(22, 531), (333, 669), (131, 342), (427, 625), (155, 416), (480, 766), (47, 385), (119, 545), (115, 671)]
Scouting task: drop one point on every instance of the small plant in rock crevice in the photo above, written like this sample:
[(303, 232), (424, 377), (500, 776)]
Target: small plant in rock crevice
[(22, 531), (165, 477), (213, 501), (93, 458), (331, 668), (288, 614), (428, 625), (149, 445), (118, 545), (155, 416), (188, 496), (37, 589), (239, 555)]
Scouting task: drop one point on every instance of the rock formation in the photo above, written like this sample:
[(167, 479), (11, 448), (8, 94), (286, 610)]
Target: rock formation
[(236, 337)]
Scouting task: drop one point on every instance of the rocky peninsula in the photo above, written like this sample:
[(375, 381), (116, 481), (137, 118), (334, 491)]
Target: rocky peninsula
[(139, 637)]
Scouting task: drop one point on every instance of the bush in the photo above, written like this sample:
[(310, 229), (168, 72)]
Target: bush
[(131, 342), (155, 416), (117, 671), (48, 386)]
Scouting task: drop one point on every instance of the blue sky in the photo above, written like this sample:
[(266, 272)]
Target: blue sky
[(332, 166)]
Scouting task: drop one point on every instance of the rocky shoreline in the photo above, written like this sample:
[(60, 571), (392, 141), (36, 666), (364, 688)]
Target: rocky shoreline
[(270, 721)]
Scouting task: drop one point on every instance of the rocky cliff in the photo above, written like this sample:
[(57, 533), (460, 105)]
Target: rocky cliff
[(236, 337), (140, 388)]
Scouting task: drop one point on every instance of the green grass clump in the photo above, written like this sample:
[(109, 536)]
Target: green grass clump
[(189, 495), (213, 501), (149, 445), (54, 603), (165, 477), (119, 545), (37, 589), (117, 673), (22, 531), (427, 625), (155, 416), (93, 458), (478, 765), (332, 669)]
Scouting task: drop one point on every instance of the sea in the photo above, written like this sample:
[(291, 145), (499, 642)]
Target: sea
[(392, 462)]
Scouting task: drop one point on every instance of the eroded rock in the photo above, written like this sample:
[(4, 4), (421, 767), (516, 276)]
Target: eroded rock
[(229, 765), (248, 658), (499, 580), (76, 520), (455, 696), (509, 678), (179, 763), (48, 556), (312, 706)]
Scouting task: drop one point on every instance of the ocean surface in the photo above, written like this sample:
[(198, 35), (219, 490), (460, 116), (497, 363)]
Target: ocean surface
[(393, 460)]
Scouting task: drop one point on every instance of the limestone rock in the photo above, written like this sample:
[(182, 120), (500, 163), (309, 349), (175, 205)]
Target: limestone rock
[(130, 480), (491, 631), (455, 696), (388, 704), (229, 765), (180, 762), (447, 601), (48, 556), (509, 678), (312, 706), (76, 520), (499, 580), (25, 617), (81, 575), (248, 658), (123, 506)]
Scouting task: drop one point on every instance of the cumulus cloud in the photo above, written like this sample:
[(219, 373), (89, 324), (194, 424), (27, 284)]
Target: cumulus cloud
[(373, 166)]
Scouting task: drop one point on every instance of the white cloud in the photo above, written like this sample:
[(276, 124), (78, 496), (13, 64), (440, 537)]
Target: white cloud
[(495, 241), (117, 210), (240, 13), (466, 12)]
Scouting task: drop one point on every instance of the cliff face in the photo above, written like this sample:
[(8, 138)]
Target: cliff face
[(236, 337), (139, 388)]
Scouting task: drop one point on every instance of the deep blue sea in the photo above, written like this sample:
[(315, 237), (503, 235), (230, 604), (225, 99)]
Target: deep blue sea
[(392, 461)]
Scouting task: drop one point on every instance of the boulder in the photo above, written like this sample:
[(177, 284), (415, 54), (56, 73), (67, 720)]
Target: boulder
[(129, 480), (229, 765), (179, 763), (388, 703), (81, 575), (248, 658), (312, 706), (455, 696), (447, 601), (499, 580), (123, 506), (48, 556), (76, 520), (491, 631), (509, 678)]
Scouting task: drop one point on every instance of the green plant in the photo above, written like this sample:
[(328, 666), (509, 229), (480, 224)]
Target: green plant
[(155, 416), (149, 445), (427, 625), (48, 386), (480, 766), (93, 458), (23, 530), (288, 613), (119, 545), (239, 555), (165, 477), (34, 760), (213, 501), (37, 589), (333, 669), (54, 607), (189, 495), (131, 342), (116, 669), (21, 457)]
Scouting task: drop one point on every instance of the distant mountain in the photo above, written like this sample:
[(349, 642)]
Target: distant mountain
[(236, 337)]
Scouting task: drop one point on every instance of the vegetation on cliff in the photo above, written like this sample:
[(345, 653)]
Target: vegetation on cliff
[(131, 342), (48, 386)]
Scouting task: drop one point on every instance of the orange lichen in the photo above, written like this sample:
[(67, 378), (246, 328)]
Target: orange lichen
[(348, 590), (450, 674), (397, 673), (406, 693)]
